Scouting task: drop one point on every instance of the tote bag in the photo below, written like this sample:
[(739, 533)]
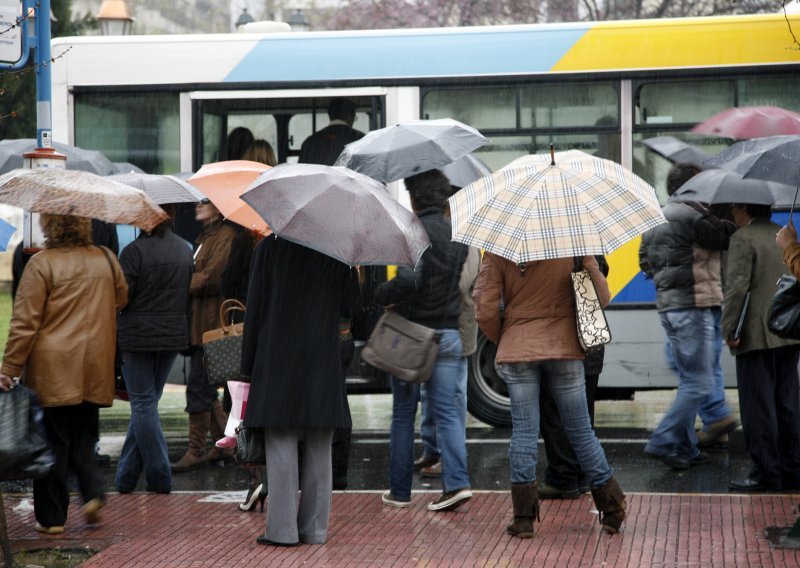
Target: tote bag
[(222, 348), (590, 319)]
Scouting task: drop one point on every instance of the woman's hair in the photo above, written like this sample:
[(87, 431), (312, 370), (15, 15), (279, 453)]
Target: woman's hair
[(428, 189), (66, 231), (756, 211), (260, 151), (238, 142)]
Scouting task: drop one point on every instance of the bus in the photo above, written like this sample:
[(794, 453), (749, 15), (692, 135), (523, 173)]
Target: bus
[(166, 104)]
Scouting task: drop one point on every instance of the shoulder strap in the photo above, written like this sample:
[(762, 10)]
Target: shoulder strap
[(577, 263), (106, 253)]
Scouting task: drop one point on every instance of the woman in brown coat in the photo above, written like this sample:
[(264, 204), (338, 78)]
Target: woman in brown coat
[(537, 341), (62, 344)]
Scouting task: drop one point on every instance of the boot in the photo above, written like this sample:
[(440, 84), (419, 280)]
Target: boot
[(217, 427), (610, 501), (525, 500), (198, 429)]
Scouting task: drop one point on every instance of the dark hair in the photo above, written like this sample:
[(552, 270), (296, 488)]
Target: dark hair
[(342, 109), (679, 174), (261, 151), (239, 141), (160, 230), (428, 189), (756, 211)]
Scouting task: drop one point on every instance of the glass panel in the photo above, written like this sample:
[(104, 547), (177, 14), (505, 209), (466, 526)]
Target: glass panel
[(503, 149), (488, 108), (300, 128), (682, 103), (140, 128), (212, 138), (263, 126), (569, 105), (782, 92)]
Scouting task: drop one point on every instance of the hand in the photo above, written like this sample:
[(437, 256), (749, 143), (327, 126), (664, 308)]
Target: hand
[(6, 382), (786, 236), (734, 343)]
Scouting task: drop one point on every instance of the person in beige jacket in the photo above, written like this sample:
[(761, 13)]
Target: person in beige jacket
[(62, 345), (529, 312)]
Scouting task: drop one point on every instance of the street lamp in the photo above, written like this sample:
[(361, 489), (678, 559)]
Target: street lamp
[(244, 18), (298, 21), (116, 17)]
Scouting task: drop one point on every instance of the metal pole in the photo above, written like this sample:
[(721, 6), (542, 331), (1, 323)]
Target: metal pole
[(44, 134)]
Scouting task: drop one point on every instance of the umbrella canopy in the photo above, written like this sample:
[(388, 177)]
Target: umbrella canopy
[(769, 159), (338, 212), (465, 170), (65, 192), (161, 189), (723, 186), (554, 206), (676, 151), (744, 123), (127, 168), (6, 230), (409, 148), (224, 182), (80, 159)]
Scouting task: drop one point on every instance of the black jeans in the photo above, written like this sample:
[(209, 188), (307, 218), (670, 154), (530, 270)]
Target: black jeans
[(340, 447), (199, 393)]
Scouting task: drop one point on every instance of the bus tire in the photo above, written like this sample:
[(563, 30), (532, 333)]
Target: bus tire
[(487, 396)]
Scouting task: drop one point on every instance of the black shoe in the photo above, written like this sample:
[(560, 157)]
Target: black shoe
[(749, 485), (103, 460), (257, 494), (547, 491), (699, 459), (425, 460), (674, 462), (264, 540)]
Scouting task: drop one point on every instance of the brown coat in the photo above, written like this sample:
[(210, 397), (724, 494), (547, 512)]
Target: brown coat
[(62, 340), (791, 257), (538, 321), (213, 250)]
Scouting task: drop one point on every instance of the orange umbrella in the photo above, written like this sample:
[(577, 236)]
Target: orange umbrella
[(224, 182)]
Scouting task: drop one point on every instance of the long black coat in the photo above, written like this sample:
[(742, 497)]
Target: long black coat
[(291, 337)]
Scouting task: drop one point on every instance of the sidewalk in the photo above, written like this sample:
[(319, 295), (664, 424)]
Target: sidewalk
[(198, 530)]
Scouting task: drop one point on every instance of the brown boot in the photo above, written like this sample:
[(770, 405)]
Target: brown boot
[(218, 422), (198, 429), (525, 500), (610, 501)]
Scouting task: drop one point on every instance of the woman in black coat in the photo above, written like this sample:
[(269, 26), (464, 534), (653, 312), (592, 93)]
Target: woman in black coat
[(291, 352)]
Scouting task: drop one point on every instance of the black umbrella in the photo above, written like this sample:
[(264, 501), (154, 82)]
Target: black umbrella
[(724, 186), (676, 151)]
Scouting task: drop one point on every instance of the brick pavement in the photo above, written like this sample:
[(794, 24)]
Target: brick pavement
[(181, 530)]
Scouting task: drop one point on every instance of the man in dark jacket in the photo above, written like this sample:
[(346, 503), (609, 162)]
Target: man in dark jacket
[(324, 146), (683, 258)]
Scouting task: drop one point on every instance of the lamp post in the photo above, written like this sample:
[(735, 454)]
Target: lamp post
[(244, 19), (298, 21), (116, 17)]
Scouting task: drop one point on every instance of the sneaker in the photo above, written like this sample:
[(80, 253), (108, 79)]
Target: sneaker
[(389, 499), (450, 500), (49, 530), (92, 510), (699, 459), (547, 491), (434, 470)]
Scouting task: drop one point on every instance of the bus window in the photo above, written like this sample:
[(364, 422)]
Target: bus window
[(682, 102), (481, 108), (568, 105), (300, 128), (213, 125), (782, 92), (263, 126)]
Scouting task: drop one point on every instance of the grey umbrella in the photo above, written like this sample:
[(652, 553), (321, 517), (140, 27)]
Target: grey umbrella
[(92, 161), (776, 158), (161, 188), (127, 168), (723, 186), (676, 151), (408, 148), (465, 170), (338, 212)]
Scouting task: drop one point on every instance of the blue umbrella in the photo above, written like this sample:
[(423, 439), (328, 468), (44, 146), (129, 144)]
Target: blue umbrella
[(6, 230)]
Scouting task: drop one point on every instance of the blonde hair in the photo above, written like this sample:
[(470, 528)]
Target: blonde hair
[(66, 230), (261, 151)]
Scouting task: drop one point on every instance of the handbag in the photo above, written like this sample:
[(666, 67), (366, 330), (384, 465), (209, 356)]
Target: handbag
[(24, 451), (405, 349), (250, 448), (222, 347), (592, 325), (784, 310)]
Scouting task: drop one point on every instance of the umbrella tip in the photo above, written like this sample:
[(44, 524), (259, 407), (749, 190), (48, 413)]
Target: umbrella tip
[(552, 155)]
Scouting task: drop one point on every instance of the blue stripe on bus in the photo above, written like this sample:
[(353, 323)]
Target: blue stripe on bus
[(363, 57), (639, 290)]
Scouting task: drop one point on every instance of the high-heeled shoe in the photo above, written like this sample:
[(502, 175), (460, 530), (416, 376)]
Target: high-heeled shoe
[(255, 494)]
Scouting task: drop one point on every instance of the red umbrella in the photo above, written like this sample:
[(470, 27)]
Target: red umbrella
[(744, 123)]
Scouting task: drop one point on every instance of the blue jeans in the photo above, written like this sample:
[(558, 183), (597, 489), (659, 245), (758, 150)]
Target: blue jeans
[(145, 448), (427, 426), (693, 343), (567, 387), (447, 400)]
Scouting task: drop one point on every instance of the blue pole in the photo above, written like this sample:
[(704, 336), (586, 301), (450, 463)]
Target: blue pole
[(44, 133)]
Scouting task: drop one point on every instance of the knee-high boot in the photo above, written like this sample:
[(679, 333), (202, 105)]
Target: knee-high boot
[(525, 500), (198, 429), (610, 501)]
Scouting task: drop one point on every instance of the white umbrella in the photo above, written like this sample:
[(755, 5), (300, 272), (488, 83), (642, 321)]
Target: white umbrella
[(161, 188)]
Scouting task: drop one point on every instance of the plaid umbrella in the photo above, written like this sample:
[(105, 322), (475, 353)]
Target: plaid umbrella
[(565, 204)]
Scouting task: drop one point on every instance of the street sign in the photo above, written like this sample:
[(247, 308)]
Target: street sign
[(10, 32)]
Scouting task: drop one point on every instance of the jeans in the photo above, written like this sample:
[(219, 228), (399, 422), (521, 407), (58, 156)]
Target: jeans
[(693, 344), (567, 387), (427, 426), (145, 448), (447, 400)]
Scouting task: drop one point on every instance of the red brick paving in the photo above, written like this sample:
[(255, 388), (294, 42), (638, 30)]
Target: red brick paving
[(178, 530)]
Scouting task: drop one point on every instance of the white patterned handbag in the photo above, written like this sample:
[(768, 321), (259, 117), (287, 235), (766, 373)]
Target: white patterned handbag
[(593, 330)]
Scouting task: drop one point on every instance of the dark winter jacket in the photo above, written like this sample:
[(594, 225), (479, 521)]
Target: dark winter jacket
[(236, 275), (429, 294), (324, 146), (158, 271), (683, 257)]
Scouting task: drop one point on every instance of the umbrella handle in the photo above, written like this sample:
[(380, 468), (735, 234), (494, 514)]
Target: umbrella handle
[(553, 156), (794, 202)]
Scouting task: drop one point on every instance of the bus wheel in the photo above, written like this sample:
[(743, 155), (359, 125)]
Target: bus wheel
[(487, 396)]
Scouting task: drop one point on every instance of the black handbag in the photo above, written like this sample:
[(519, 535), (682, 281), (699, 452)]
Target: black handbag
[(250, 449), (784, 311), (24, 451)]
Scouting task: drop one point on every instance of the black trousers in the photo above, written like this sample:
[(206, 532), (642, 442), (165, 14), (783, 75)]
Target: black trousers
[(340, 447), (200, 395), (769, 407), (71, 433), (562, 471)]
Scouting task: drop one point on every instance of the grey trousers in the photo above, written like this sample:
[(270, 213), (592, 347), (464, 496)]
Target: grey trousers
[(286, 520)]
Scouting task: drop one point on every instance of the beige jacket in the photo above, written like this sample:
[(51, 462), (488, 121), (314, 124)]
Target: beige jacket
[(62, 340), (538, 317)]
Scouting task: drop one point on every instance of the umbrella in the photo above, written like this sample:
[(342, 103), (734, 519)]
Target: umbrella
[(224, 182), (676, 151), (11, 152), (161, 188), (724, 186), (338, 212), (465, 170), (6, 230), (769, 159), (65, 192), (127, 168), (744, 123), (562, 205), (405, 149)]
